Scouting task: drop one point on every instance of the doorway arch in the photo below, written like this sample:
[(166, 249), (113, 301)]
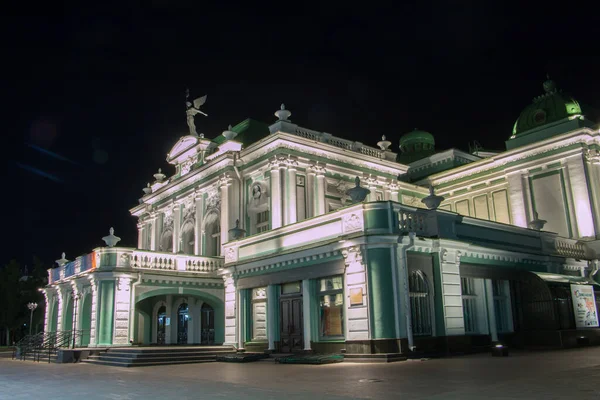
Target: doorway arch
[(420, 304), (67, 324), (53, 323), (86, 319)]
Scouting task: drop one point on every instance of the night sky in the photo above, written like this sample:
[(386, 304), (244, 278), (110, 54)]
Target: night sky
[(94, 103)]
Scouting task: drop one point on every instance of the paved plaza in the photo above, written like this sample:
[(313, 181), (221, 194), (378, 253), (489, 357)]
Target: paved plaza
[(563, 374)]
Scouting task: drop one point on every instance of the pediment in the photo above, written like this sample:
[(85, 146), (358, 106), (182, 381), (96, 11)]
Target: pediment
[(181, 147)]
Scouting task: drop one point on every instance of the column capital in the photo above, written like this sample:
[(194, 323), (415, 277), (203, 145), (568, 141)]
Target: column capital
[(450, 256), (224, 180), (352, 254), (278, 161), (317, 168)]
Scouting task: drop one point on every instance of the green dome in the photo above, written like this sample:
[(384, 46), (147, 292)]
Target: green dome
[(550, 107), (410, 139), (415, 145)]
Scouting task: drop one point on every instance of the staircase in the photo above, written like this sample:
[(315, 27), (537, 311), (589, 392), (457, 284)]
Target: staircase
[(167, 355)]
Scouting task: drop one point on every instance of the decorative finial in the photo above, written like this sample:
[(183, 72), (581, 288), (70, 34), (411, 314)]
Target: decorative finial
[(282, 114), (159, 176), (229, 127), (384, 144), (537, 223), (111, 240), (237, 232), (147, 189)]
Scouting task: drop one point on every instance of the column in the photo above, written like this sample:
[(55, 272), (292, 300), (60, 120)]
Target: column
[(593, 165), (393, 190), (517, 198), (489, 295), (122, 310), (225, 187), (198, 227), (310, 193), (273, 316), (581, 197), (157, 230), (290, 209), (320, 203), (176, 227), (355, 280), (153, 232), (140, 243), (230, 311), (61, 303), (241, 301), (306, 301), (372, 186), (275, 214), (168, 314), (106, 311)]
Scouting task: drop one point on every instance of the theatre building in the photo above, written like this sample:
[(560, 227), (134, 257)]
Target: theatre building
[(282, 238)]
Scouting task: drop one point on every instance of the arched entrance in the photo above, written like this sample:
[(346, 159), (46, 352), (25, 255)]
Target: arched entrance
[(53, 322), (67, 324), (182, 323), (207, 315), (86, 319), (161, 323), (187, 237), (420, 305)]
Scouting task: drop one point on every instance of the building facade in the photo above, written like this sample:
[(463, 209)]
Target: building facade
[(259, 240)]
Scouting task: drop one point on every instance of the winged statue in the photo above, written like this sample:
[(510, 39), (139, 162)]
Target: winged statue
[(192, 109)]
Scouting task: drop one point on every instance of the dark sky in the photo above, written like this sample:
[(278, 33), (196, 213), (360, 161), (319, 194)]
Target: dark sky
[(105, 93)]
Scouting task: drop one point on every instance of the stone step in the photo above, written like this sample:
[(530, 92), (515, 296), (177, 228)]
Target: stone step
[(109, 357), (143, 364), (119, 353), (172, 349)]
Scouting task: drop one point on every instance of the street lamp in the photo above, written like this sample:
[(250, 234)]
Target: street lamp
[(75, 296), (31, 306)]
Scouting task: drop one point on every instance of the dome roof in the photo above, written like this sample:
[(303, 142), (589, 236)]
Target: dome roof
[(416, 136), (550, 107)]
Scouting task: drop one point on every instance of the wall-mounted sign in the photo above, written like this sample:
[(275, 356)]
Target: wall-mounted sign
[(584, 306), (167, 321), (356, 296)]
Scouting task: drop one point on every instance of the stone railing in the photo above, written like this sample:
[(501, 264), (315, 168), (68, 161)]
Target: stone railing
[(571, 248), (343, 143), (145, 259), (412, 220)]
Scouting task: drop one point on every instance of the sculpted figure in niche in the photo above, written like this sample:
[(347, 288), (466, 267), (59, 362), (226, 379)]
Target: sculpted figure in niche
[(258, 200)]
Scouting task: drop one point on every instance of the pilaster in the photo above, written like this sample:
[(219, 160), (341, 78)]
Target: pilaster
[(198, 226), (122, 310), (94, 284), (581, 197), (454, 321), (491, 313), (276, 195), (273, 315), (357, 312), (230, 311), (290, 206), (140, 244), (176, 227), (320, 205), (306, 306), (225, 184)]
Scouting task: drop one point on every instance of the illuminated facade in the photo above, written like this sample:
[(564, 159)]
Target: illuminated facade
[(310, 268)]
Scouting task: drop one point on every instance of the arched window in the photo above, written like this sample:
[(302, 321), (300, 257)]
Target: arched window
[(212, 235), (420, 306), (166, 241), (188, 238)]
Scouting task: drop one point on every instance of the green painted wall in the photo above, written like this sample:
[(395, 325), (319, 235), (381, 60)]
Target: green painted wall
[(381, 293), (86, 319), (67, 321), (107, 305), (52, 325), (377, 219)]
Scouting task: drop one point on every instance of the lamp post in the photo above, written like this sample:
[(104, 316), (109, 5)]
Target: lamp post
[(75, 296), (31, 306)]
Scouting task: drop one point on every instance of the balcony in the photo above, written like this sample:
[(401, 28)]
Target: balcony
[(115, 258), (390, 218)]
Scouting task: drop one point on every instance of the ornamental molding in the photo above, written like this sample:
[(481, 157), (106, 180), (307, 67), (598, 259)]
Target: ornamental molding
[(504, 159), (353, 222), (177, 281), (450, 256), (231, 255), (260, 293), (213, 200), (291, 262), (352, 255)]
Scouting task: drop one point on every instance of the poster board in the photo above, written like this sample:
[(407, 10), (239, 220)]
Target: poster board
[(584, 306)]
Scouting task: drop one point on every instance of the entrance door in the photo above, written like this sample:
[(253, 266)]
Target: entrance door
[(291, 324), (160, 326), (208, 325), (182, 324)]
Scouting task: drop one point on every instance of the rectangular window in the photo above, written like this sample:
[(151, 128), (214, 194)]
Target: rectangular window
[(502, 309), (469, 300), (301, 197), (262, 221), (291, 287), (331, 307)]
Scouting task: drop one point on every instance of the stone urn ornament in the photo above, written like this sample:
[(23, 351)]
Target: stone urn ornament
[(237, 232), (111, 240), (537, 223)]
